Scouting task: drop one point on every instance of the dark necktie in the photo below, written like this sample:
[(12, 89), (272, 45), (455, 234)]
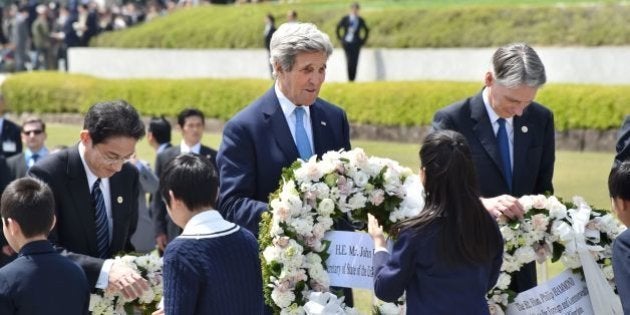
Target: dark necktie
[(301, 138), (102, 225), (504, 150), (35, 156)]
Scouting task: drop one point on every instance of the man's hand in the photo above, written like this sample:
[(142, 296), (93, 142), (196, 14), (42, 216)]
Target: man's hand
[(158, 312), (126, 280), (161, 241), (504, 205)]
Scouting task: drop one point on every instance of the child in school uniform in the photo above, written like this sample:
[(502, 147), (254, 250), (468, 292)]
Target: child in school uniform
[(619, 188)]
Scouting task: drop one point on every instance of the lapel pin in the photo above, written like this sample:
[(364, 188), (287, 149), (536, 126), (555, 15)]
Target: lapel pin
[(119, 199), (524, 129), (323, 123)]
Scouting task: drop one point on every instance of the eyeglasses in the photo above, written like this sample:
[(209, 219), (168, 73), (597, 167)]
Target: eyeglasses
[(111, 160), (34, 132)]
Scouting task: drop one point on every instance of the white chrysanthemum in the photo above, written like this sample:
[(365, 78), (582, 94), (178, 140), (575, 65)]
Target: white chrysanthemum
[(320, 276), (527, 202), (361, 178), (282, 298), (308, 172), (557, 210)]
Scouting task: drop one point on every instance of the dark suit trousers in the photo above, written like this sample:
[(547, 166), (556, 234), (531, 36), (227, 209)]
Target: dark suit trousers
[(352, 57)]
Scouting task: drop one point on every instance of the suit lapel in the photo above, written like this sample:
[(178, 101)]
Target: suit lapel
[(80, 194), (116, 193), (483, 129), (321, 130), (276, 122), (522, 139)]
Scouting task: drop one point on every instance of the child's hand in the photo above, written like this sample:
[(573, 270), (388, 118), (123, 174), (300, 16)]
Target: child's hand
[(376, 232)]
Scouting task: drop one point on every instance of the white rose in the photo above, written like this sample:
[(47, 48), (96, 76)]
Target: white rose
[(357, 201), (571, 261), (540, 201), (504, 281), (326, 207), (507, 232), (527, 202), (361, 179), (322, 190), (272, 253), (389, 309), (525, 255)]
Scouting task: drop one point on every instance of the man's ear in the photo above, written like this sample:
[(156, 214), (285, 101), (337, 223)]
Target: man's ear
[(85, 137), (277, 68), (11, 226), (488, 78), (54, 221)]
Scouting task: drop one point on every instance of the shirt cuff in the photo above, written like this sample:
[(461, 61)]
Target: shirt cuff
[(103, 277), (380, 249)]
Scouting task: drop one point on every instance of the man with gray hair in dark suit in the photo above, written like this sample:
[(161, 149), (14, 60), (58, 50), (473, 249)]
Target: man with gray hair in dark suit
[(511, 137)]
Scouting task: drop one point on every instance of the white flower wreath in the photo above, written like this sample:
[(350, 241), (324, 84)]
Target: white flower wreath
[(312, 194), (556, 230)]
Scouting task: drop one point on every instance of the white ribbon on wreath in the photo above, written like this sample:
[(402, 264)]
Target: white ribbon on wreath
[(603, 298)]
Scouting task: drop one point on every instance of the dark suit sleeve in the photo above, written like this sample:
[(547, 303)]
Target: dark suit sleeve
[(623, 142), (346, 133), (341, 25), (621, 268), (91, 265), (237, 169), (545, 173), (158, 209), (366, 31), (392, 274), (6, 305)]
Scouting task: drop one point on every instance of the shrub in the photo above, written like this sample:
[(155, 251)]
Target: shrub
[(391, 27), (377, 103)]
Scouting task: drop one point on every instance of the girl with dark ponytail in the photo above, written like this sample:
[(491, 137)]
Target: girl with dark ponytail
[(450, 255)]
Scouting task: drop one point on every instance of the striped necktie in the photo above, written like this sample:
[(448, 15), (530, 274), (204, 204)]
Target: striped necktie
[(102, 225)]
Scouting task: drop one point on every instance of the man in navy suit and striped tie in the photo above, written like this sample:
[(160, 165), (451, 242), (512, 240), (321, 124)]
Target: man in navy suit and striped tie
[(96, 196)]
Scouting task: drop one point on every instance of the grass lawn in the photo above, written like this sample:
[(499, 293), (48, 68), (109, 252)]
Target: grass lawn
[(576, 173)]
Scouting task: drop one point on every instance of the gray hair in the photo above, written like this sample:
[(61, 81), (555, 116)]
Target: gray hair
[(292, 39), (518, 64)]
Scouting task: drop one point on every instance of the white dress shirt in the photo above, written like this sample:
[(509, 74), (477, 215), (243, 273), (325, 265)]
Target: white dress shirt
[(509, 124), (288, 109), (184, 148)]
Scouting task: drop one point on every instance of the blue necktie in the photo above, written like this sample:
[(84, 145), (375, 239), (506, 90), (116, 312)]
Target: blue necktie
[(504, 149), (301, 138), (34, 158), (102, 225)]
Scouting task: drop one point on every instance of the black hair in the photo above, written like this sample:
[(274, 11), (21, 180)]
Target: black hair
[(161, 129), (619, 181), (468, 232), (189, 112), (193, 179), (30, 203), (113, 119), (271, 18)]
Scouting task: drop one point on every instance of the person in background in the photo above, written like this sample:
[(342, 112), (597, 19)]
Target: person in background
[(10, 139), (40, 280), (40, 31), (96, 196), (143, 239), (353, 33), (512, 138), (453, 248), (270, 28), (34, 138), (292, 16), (210, 251), (623, 143), (191, 122), (619, 189)]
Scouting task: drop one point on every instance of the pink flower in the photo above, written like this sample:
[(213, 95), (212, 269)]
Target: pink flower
[(377, 197)]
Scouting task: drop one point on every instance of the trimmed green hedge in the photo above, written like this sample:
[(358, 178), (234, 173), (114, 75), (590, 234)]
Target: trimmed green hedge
[(378, 103), (467, 26)]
